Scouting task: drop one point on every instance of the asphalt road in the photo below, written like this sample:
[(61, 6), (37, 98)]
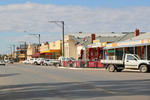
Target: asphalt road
[(29, 82)]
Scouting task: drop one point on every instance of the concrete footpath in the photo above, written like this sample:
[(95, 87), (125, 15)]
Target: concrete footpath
[(73, 68)]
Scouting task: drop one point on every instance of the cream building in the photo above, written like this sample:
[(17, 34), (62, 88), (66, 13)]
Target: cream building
[(31, 50), (70, 46), (51, 50)]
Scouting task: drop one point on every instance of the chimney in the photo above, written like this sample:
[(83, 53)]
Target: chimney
[(137, 32), (92, 37)]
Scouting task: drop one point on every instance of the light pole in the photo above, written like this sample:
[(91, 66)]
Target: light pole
[(10, 52), (62, 26), (37, 36), (13, 45)]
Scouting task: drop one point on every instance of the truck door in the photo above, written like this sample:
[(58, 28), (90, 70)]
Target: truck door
[(130, 62)]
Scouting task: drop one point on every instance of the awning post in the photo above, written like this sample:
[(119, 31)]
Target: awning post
[(114, 54), (146, 52), (134, 49)]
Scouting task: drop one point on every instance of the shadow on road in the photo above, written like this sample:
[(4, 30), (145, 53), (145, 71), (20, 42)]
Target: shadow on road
[(75, 90), (6, 75)]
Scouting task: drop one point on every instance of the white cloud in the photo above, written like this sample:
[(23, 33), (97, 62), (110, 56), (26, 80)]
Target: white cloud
[(34, 17)]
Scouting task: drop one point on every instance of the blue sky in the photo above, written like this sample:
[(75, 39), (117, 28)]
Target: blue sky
[(17, 16), (89, 3)]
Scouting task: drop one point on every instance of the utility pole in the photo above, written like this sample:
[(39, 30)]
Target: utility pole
[(10, 52), (39, 37), (14, 48), (25, 51), (62, 26)]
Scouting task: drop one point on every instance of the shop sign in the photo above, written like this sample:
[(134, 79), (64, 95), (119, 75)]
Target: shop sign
[(96, 41), (90, 46), (53, 44), (110, 51), (148, 40), (115, 44), (109, 45), (127, 43), (103, 44), (96, 44)]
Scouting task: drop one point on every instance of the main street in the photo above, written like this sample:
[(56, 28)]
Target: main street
[(29, 82)]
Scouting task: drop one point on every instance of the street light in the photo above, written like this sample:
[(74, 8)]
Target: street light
[(39, 40), (37, 36), (62, 26), (13, 45), (25, 48)]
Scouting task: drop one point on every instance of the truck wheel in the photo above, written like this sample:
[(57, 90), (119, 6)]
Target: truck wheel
[(35, 63), (56, 65), (143, 68), (111, 68)]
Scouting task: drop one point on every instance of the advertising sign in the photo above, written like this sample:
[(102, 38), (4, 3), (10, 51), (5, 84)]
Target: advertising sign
[(96, 41)]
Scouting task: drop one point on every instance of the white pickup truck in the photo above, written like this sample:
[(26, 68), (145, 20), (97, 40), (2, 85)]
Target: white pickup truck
[(129, 61), (60, 60)]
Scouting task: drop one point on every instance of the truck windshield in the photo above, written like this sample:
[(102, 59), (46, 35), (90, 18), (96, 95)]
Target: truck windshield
[(72, 58), (137, 57)]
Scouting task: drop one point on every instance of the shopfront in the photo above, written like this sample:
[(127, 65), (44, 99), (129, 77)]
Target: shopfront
[(95, 50), (55, 49), (139, 47), (50, 54), (51, 50)]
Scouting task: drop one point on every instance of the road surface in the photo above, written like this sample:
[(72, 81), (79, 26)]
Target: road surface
[(29, 82)]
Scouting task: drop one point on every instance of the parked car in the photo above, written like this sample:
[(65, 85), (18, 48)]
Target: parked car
[(47, 62), (32, 60), (38, 61), (2, 62), (10, 61), (60, 60), (6, 61), (26, 62)]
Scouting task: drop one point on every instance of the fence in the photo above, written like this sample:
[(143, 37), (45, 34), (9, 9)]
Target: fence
[(83, 64)]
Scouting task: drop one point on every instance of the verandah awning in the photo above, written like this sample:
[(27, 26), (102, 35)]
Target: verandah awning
[(128, 44), (36, 55), (49, 51)]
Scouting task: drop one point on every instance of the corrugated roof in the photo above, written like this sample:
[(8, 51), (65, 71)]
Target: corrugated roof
[(102, 34), (107, 37), (140, 37)]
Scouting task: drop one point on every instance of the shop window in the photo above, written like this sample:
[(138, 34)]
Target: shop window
[(119, 53), (131, 50)]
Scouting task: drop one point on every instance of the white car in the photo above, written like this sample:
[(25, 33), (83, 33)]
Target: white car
[(26, 62), (2, 62), (38, 61), (47, 62), (32, 60)]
